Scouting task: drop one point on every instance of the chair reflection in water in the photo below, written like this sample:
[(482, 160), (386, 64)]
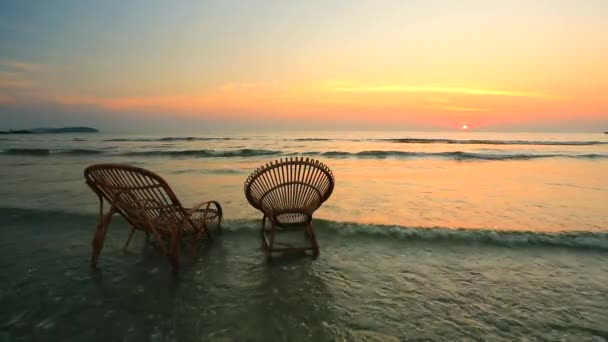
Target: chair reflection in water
[(288, 192)]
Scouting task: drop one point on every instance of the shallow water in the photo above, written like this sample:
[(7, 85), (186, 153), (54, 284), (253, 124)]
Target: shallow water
[(444, 237), (363, 287)]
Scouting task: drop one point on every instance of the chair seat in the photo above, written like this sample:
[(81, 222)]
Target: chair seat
[(201, 215), (291, 219), (167, 223)]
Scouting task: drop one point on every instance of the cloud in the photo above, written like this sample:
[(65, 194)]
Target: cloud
[(4, 99), (434, 89), (454, 108), (170, 103), (307, 101), (9, 74), (17, 75), (13, 80), (21, 65), (228, 97), (18, 84)]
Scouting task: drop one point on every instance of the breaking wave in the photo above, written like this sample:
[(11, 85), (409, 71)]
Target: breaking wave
[(495, 142), (394, 140), (28, 151), (508, 238), (464, 141), (456, 155), (326, 139), (47, 151), (247, 152), (171, 139), (80, 151), (583, 240)]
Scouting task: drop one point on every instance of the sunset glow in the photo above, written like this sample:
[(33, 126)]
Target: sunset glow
[(319, 170), (424, 65)]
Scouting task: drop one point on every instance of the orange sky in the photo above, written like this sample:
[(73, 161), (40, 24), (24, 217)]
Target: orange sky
[(437, 63)]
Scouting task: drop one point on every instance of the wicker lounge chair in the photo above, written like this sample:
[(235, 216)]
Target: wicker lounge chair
[(288, 192), (147, 202)]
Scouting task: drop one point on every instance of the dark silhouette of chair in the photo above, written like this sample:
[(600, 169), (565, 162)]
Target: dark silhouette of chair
[(288, 192), (147, 202)]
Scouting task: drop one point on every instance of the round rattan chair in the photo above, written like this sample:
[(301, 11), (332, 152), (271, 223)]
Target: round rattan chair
[(288, 192)]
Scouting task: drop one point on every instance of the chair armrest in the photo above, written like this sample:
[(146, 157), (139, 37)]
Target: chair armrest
[(205, 204)]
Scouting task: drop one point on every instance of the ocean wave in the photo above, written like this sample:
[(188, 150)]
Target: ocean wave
[(494, 142), (47, 151), (80, 151), (227, 171), (27, 151), (211, 171), (462, 141), (583, 240), (171, 139), (394, 140), (244, 152), (508, 238), (247, 152), (456, 155)]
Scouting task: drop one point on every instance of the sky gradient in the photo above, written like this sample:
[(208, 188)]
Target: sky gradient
[(142, 65)]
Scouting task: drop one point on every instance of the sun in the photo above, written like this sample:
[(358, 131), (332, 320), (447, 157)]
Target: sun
[(465, 126)]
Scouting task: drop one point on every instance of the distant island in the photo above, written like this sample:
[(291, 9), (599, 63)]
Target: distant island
[(52, 130)]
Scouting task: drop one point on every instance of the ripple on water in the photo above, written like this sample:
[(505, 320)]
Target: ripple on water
[(363, 287)]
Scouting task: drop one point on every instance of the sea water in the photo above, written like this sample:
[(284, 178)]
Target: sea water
[(428, 235)]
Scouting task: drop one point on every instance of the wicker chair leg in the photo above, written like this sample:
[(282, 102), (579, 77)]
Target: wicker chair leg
[(161, 243), (272, 237), (100, 236), (196, 241), (313, 239), (219, 222), (195, 245), (124, 249), (97, 244), (208, 233), (263, 232), (174, 258), (173, 250), (265, 244), (220, 217)]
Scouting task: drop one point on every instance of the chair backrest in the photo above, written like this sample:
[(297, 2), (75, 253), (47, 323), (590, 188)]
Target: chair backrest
[(290, 185), (141, 196)]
